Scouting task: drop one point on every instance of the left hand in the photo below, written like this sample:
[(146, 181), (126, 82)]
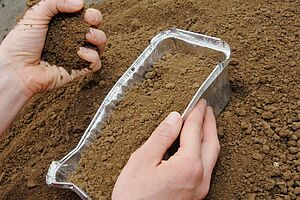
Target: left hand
[(20, 52), (187, 174)]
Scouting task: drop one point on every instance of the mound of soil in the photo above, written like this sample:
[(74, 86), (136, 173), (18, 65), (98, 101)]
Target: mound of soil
[(259, 129), (169, 86)]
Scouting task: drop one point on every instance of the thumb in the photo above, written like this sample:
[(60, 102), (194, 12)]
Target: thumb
[(162, 138), (46, 9)]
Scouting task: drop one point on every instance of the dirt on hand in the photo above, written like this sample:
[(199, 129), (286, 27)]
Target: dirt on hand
[(258, 130), (168, 87), (31, 3), (66, 34)]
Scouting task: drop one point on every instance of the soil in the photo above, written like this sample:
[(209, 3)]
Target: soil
[(30, 3), (259, 129), (66, 34), (169, 86)]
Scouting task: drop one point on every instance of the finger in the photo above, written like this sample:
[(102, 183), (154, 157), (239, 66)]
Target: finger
[(66, 77), (45, 10), (210, 148), (91, 56), (98, 38), (93, 17), (191, 134), (55, 77), (162, 138)]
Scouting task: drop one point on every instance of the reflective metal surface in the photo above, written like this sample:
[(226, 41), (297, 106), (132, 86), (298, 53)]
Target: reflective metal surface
[(216, 90)]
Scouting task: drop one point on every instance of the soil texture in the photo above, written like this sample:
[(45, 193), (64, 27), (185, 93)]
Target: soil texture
[(259, 129), (66, 34), (169, 86)]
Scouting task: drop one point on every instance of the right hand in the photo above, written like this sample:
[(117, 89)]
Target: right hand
[(187, 174), (20, 51)]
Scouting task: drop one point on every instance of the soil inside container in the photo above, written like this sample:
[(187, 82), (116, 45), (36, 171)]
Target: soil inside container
[(169, 86)]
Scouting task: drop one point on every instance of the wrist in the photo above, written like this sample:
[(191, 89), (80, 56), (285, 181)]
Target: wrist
[(12, 78), (14, 96)]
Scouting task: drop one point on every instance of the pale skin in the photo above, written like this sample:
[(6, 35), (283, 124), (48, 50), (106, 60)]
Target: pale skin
[(186, 175)]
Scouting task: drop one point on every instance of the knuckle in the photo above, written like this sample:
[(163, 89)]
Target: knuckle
[(166, 131), (165, 135), (218, 146), (194, 170), (137, 155), (204, 190)]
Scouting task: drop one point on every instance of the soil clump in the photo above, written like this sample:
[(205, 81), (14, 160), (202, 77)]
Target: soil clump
[(258, 130), (66, 34), (31, 3), (168, 87)]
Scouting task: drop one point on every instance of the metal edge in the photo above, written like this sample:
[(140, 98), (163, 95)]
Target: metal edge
[(220, 46)]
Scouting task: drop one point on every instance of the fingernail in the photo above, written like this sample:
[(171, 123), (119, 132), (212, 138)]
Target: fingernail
[(204, 101), (83, 49), (173, 118), (93, 17), (76, 2), (93, 32), (210, 108)]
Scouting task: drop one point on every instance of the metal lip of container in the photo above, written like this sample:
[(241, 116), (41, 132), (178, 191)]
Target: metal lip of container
[(215, 89)]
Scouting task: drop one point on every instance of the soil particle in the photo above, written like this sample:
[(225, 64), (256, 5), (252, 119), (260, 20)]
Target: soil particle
[(296, 126), (297, 190), (31, 183), (284, 132), (30, 3), (170, 85), (258, 156), (287, 176), (251, 196), (267, 115), (148, 106)]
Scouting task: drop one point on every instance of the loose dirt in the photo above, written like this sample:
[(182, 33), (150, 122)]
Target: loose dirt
[(259, 129), (30, 3), (167, 87), (66, 34)]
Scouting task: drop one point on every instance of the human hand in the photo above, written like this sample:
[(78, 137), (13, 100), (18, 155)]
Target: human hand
[(20, 52), (187, 174)]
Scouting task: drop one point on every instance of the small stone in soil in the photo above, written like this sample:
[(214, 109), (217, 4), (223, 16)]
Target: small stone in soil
[(170, 86), (257, 156), (296, 126), (31, 183), (267, 115)]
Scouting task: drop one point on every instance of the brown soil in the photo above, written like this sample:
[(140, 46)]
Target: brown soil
[(30, 3), (167, 87), (259, 129), (66, 34)]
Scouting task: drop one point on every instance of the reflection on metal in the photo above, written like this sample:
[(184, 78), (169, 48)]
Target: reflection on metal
[(216, 90)]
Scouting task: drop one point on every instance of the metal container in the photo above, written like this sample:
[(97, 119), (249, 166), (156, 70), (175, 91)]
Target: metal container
[(216, 90)]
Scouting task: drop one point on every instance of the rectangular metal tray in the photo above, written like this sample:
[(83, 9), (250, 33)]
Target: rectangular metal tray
[(216, 90)]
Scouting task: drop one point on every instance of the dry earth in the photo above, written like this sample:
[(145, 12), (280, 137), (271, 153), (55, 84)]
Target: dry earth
[(259, 130)]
